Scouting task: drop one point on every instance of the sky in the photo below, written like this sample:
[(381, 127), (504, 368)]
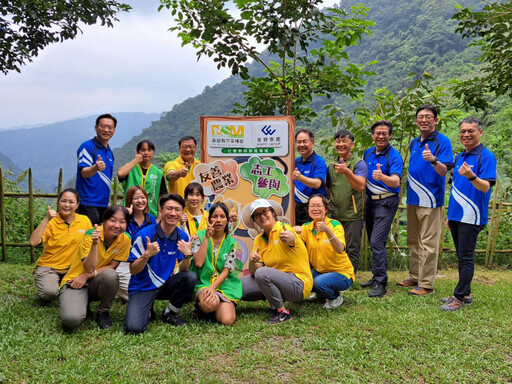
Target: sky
[(137, 66)]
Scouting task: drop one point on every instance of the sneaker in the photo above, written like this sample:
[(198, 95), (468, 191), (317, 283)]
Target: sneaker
[(104, 320), (172, 318), (452, 305), (334, 303), (312, 296), (279, 317), (368, 284), (468, 300), (418, 291), (407, 283), (378, 290), (152, 315)]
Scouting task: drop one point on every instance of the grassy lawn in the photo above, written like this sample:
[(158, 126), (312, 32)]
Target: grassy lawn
[(396, 339)]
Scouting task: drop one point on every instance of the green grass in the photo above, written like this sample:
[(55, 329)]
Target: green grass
[(396, 339)]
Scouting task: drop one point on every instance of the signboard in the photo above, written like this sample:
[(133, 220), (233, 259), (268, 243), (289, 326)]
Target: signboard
[(244, 159)]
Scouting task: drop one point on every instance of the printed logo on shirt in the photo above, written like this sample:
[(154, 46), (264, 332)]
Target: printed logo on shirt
[(81, 231)]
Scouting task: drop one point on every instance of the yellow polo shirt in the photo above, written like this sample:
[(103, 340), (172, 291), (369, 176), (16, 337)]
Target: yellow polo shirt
[(178, 186), (119, 250), (290, 259), (321, 254), (193, 226), (60, 241)]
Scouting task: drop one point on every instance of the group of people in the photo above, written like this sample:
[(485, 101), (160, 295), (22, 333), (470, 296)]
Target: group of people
[(163, 245)]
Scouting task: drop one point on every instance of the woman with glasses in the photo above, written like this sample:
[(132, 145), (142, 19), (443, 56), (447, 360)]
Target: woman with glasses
[(325, 241), (278, 264)]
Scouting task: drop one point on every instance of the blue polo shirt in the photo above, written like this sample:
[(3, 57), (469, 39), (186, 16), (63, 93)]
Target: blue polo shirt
[(467, 204), (313, 167), (94, 190), (391, 163), (425, 187), (160, 266), (134, 228)]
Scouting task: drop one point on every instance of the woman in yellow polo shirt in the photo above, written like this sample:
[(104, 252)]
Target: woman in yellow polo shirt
[(92, 276), (60, 233), (325, 242), (278, 264), (195, 218)]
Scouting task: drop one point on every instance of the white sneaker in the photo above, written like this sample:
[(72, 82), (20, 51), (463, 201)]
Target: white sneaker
[(334, 303), (312, 296)]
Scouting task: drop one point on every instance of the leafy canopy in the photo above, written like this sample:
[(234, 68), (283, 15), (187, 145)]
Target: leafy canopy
[(491, 30), (296, 66), (28, 26)]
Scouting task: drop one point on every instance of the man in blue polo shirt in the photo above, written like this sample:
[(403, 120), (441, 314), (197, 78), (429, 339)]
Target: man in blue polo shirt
[(431, 158), (309, 174), (95, 169), (474, 174), (385, 166), (153, 258)]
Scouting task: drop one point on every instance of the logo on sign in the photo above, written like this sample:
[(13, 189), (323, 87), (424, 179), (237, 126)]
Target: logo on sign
[(267, 130), (228, 130)]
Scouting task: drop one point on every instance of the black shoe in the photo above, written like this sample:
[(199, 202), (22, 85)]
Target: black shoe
[(172, 318), (368, 284), (152, 315), (279, 317), (103, 319), (88, 314), (378, 290)]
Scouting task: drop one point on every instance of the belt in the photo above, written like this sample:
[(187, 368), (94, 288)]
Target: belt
[(383, 196)]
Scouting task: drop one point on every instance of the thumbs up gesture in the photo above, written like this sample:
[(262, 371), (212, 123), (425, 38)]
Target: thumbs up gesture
[(377, 173), (152, 248), (96, 235), (286, 236), (296, 175), (137, 157), (255, 256), (50, 214), (340, 167), (233, 214), (184, 171), (100, 164), (427, 155)]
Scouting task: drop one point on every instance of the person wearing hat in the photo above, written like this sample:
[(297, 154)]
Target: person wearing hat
[(278, 263)]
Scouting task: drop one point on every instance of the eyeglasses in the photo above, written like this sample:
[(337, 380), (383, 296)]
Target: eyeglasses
[(188, 147), (425, 117), (381, 133), (343, 141), (257, 215), (464, 131), (317, 206), (175, 209)]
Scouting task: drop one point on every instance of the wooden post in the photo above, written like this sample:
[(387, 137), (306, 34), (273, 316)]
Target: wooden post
[(495, 235), (59, 185), (494, 206), (114, 193), (2, 217), (31, 211), (441, 238)]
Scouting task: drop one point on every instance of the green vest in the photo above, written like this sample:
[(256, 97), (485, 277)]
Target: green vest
[(343, 197), (151, 183), (213, 265)]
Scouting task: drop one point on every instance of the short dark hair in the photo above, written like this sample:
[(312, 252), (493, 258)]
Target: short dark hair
[(70, 190), (142, 142), (429, 107), (185, 138), (343, 133), (226, 212), (472, 120), (308, 131), (113, 209), (131, 191), (191, 187), (387, 123), (106, 116), (171, 196)]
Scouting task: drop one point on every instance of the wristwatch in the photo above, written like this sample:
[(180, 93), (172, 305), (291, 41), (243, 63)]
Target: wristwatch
[(434, 162)]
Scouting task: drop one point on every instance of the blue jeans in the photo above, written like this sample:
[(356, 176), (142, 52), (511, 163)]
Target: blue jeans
[(177, 289), (464, 237), (330, 284)]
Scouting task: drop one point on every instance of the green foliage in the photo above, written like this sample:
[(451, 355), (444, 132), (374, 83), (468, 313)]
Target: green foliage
[(291, 31), (27, 27), (491, 30), (162, 158)]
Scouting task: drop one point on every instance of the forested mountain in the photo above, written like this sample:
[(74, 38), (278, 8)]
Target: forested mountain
[(48, 148), (408, 36)]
